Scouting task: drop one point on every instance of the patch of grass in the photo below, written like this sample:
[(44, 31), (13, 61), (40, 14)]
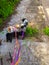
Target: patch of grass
[(6, 9), (46, 31), (31, 31)]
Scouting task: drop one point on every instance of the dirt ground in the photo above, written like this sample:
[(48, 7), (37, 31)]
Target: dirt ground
[(33, 52)]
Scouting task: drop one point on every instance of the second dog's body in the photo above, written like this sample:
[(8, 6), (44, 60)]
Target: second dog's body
[(10, 36)]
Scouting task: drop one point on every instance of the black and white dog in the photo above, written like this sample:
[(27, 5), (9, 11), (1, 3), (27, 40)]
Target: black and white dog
[(25, 22)]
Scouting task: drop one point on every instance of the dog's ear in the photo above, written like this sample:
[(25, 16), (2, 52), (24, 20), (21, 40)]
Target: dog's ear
[(23, 19)]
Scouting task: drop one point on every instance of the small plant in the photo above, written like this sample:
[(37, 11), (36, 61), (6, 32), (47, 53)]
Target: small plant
[(46, 31), (31, 31)]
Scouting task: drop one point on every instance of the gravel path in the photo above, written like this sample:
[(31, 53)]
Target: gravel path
[(21, 12), (32, 53)]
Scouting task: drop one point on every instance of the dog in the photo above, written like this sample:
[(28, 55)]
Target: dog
[(25, 21), (13, 35), (9, 37)]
